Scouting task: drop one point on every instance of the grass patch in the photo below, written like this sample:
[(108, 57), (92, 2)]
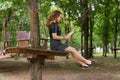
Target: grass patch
[(1, 77), (108, 54)]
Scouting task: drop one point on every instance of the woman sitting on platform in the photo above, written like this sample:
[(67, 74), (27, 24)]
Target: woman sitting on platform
[(55, 39)]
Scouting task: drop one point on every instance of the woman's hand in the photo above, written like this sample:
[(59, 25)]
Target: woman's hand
[(67, 37), (71, 33)]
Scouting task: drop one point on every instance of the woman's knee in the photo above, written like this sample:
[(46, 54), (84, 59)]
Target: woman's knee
[(71, 49)]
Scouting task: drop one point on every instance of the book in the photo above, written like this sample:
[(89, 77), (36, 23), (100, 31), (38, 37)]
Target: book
[(71, 33)]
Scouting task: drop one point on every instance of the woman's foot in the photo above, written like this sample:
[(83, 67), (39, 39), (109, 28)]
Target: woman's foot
[(85, 67), (92, 63)]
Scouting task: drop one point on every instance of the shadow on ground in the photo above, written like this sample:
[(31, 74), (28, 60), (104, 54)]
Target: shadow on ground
[(62, 69)]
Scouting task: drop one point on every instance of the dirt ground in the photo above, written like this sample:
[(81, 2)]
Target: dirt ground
[(62, 69)]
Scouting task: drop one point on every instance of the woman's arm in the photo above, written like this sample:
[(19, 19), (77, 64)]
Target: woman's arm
[(71, 33), (55, 36)]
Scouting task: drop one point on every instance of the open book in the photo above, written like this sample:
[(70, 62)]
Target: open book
[(71, 33)]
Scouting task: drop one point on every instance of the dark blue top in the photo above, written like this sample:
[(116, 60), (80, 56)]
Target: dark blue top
[(54, 28), (56, 44)]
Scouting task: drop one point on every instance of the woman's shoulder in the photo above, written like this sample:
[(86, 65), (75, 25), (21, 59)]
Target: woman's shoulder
[(53, 24)]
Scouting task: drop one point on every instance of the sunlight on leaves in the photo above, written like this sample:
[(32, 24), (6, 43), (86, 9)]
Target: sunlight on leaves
[(5, 5)]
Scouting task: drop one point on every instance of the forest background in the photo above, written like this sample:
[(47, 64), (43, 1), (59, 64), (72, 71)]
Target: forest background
[(96, 23)]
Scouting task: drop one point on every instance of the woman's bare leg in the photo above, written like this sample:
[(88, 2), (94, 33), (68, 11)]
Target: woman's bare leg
[(77, 56), (80, 62)]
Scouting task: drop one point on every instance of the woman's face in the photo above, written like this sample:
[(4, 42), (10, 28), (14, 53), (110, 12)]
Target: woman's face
[(59, 18)]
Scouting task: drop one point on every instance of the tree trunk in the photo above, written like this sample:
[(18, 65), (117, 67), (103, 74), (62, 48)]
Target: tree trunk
[(67, 26), (91, 44), (3, 34), (116, 30), (106, 30), (36, 68), (85, 28), (115, 36), (82, 43), (36, 63), (4, 25), (34, 23)]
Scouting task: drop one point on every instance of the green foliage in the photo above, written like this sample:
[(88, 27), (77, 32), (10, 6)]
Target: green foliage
[(16, 57), (75, 42), (5, 5), (101, 21), (19, 19)]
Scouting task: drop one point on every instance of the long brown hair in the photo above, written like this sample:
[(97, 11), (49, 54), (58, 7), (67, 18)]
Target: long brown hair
[(54, 15)]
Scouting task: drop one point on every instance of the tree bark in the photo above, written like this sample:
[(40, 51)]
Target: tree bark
[(106, 30), (85, 26), (116, 30), (36, 63), (36, 68), (34, 23), (115, 36), (91, 44)]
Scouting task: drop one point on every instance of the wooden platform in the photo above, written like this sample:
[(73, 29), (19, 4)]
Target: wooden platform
[(35, 51)]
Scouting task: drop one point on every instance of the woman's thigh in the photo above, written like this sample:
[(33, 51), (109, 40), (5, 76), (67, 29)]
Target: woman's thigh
[(70, 49)]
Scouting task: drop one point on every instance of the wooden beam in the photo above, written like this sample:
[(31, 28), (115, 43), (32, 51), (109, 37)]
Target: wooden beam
[(35, 51)]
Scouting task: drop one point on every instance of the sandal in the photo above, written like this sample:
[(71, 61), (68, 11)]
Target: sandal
[(92, 63), (85, 67)]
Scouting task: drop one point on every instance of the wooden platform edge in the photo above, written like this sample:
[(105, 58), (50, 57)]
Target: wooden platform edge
[(35, 51)]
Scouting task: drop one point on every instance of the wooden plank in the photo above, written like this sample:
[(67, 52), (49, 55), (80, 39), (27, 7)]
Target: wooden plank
[(35, 51), (23, 43)]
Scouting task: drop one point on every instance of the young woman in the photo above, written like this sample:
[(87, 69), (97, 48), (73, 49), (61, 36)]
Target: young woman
[(55, 38)]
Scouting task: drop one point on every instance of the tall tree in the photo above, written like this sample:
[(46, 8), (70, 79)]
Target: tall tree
[(35, 66), (91, 22), (105, 34), (85, 25), (34, 23), (116, 27)]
